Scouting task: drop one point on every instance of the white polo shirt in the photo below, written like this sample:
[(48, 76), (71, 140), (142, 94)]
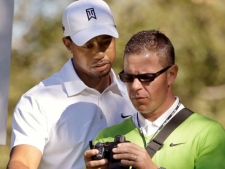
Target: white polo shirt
[(61, 115)]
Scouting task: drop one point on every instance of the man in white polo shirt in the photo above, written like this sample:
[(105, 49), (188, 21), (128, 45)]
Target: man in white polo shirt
[(55, 120)]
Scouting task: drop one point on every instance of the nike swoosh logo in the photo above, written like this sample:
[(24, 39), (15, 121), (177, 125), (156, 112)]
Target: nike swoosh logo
[(172, 145), (123, 116)]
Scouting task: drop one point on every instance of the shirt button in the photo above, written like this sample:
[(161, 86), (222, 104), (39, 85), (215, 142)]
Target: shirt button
[(101, 116)]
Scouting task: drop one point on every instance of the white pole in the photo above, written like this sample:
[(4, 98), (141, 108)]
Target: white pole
[(6, 21)]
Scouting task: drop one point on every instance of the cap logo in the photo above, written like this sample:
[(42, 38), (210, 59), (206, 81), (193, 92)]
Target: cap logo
[(91, 13)]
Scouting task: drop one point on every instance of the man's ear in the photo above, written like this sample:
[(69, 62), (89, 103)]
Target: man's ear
[(67, 43), (172, 74)]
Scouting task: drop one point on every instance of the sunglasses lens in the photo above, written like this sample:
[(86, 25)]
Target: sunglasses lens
[(141, 78), (126, 78), (145, 78)]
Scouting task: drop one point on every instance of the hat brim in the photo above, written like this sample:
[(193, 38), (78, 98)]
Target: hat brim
[(83, 36)]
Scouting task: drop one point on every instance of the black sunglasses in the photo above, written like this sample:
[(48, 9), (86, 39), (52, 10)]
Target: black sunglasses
[(147, 77)]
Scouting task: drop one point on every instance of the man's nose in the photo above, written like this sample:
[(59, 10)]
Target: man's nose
[(99, 54), (136, 84)]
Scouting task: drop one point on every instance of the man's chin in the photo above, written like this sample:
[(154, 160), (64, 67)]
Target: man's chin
[(142, 109), (101, 74)]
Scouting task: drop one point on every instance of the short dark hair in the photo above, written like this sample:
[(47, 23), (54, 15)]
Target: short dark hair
[(69, 38), (152, 41)]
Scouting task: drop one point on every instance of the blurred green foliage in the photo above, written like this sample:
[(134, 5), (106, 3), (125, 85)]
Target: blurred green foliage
[(195, 27)]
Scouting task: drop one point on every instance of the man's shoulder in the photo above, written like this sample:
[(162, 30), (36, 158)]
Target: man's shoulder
[(52, 83), (200, 119), (198, 123), (122, 128)]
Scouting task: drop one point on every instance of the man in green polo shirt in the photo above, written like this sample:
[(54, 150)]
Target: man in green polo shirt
[(149, 73)]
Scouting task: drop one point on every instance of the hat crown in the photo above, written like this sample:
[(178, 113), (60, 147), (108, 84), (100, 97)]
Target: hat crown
[(82, 15)]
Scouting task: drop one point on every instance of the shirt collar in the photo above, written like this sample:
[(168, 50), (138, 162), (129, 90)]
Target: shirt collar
[(159, 121), (150, 127), (74, 85)]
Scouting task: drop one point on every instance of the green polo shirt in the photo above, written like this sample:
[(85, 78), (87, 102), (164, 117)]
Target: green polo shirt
[(203, 143)]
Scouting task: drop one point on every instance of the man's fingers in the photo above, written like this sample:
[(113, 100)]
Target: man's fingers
[(127, 148), (89, 153), (96, 163)]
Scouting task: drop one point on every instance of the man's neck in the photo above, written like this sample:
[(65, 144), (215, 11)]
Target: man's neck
[(155, 114)]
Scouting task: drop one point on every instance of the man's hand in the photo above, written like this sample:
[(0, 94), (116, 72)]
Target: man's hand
[(133, 155), (94, 164)]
